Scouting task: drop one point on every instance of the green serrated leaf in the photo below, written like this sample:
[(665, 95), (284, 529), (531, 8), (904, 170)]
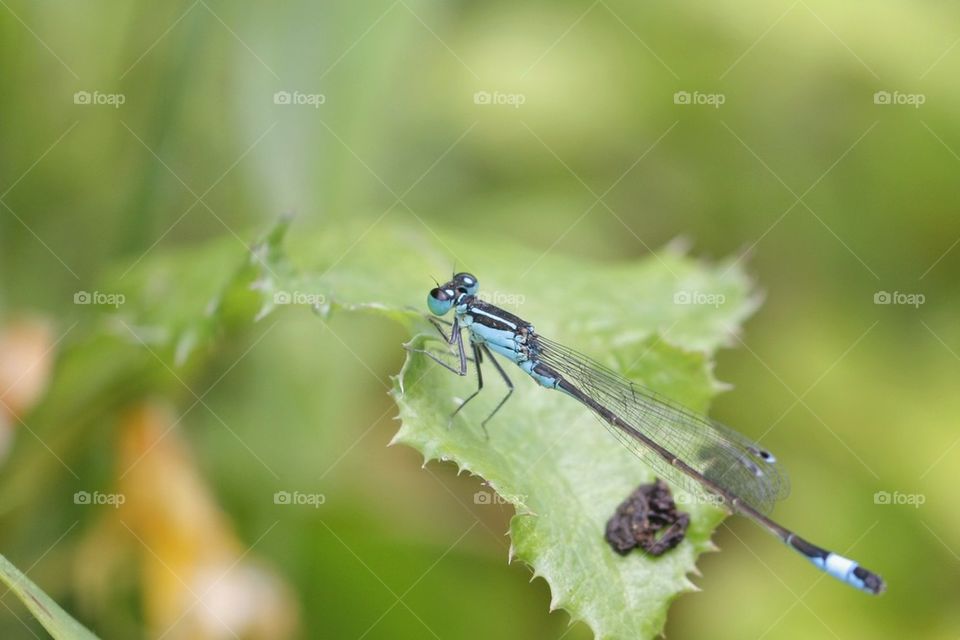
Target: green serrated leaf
[(546, 454), (54, 619)]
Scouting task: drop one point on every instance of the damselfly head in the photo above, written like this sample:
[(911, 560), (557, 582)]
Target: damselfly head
[(442, 297)]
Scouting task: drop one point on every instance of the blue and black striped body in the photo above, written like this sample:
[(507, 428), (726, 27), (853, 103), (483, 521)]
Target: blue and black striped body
[(506, 335)]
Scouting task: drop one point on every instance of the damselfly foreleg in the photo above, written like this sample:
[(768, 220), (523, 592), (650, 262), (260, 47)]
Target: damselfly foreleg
[(455, 337)]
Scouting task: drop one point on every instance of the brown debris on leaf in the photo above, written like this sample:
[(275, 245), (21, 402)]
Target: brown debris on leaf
[(648, 519)]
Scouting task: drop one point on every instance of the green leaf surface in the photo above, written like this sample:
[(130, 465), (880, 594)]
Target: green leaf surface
[(54, 619), (547, 454)]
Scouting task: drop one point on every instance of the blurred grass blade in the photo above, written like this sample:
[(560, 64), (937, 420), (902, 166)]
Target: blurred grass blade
[(54, 619)]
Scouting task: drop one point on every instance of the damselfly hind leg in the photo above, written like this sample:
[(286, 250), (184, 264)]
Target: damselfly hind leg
[(477, 360), (479, 350), (506, 380), (478, 354)]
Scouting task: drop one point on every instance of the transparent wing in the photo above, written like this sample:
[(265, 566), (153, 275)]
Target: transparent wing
[(725, 457)]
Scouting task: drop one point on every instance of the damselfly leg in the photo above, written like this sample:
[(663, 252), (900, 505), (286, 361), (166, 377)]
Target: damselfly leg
[(477, 359), (478, 353), (454, 338), (506, 380)]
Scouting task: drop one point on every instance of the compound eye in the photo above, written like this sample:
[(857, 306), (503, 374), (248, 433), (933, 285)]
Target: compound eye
[(466, 283), (439, 301), (441, 295)]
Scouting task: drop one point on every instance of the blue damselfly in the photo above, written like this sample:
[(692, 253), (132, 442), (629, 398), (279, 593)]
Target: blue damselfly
[(694, 452)]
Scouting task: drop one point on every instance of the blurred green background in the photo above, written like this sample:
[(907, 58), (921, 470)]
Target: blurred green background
[(584, 128)]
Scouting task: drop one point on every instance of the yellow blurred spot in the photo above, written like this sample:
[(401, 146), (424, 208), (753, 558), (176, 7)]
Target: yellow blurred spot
[(199, 581)]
